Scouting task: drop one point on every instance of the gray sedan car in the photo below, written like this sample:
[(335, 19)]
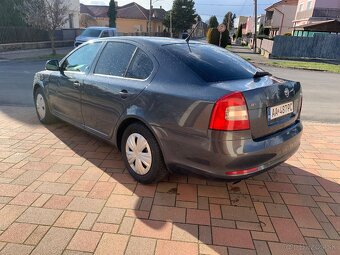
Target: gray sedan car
[(170, 105)]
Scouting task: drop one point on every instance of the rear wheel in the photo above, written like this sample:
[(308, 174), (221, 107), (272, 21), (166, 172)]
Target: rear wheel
[(41, 106), (142, 155)]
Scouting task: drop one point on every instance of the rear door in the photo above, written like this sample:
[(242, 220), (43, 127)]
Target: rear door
[(120, 74)]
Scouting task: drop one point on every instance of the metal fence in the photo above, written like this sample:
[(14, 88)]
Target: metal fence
[(28, 34), (317, 47), (22, 34)]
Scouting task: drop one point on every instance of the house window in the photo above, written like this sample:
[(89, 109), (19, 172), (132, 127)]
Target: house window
[(70, 20), (300, 7), (309, 5)]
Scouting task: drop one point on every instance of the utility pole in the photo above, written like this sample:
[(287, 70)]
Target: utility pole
[(171, 35), (150, 15), (255, 26)]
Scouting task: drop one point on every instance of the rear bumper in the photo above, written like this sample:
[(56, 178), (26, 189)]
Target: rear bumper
[(215, 157)]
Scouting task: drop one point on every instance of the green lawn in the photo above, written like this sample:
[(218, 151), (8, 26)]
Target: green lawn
[(306, 65)]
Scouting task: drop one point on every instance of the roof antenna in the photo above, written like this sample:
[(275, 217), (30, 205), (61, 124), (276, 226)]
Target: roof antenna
[(192, 31)]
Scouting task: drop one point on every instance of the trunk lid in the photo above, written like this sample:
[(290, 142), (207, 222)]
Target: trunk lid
[(263, 93)]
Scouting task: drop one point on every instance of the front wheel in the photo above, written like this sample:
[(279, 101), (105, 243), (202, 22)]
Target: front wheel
[(142, 154), (41, 106)]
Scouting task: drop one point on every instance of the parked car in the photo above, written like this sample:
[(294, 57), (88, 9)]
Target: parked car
[(91, 33), (168, 105)]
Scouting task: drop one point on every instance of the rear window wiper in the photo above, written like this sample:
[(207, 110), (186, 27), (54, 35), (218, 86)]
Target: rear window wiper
[(261, 74)]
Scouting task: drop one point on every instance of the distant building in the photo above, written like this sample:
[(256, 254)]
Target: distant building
[(73, 14), (131, 18), (239, 21), (250, 28), (312, 11), (280, 16)]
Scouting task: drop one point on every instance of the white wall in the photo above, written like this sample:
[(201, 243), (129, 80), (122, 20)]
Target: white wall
[(285, 19), (75, 12)]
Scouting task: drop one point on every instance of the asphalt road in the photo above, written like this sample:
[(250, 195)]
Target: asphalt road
[(321, 90)]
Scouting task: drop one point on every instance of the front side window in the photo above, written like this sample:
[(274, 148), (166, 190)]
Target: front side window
[(105, 33), (81, 59), (141, 66), (115, 58)]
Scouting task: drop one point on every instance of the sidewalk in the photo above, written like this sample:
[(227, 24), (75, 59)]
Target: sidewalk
[(36, 53), (250, 56)]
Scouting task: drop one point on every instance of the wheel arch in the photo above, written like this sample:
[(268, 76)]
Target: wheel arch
[(128, 120)]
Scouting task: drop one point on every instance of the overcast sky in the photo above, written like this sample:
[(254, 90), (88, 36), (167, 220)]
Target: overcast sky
[(205, 8)]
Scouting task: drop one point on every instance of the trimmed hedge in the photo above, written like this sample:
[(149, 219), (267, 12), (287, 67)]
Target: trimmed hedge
[(213, 37)]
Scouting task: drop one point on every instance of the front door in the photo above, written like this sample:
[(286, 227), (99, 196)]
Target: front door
[(65, 87), (119, 76)]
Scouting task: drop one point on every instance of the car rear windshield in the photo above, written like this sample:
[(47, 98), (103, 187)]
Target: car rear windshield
[(212, 63), (91, 32)]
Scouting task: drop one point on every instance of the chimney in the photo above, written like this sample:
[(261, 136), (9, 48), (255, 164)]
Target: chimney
[(160, 7)]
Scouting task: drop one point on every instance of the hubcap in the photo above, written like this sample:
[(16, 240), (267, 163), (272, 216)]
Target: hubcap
[(41, 107), (138, 153)]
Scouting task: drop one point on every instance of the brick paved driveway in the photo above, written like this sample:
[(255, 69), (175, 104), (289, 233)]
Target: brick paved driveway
[(65, 192)]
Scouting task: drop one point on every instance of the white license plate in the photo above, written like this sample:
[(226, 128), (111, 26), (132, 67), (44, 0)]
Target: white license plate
[(280, 110)]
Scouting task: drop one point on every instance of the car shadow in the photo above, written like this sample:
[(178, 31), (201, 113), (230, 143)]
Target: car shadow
[(213, 213)]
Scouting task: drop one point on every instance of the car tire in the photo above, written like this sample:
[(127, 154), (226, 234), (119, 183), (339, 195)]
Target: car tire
[(41, 106), (142, 154)]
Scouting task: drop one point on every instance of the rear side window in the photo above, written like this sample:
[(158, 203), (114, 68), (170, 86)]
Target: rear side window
[(115, 58), (211, 63), (141, 66)]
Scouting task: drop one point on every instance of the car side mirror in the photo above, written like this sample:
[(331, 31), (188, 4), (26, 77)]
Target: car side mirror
[(52, 65)]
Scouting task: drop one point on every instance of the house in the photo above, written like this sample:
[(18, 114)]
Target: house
[(73, 14), (250, 28), (318, 27), (280, 16), (314, 11), (131, 18), (239, 21)]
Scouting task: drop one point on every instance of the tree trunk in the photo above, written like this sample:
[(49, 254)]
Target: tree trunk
[(52, 42)]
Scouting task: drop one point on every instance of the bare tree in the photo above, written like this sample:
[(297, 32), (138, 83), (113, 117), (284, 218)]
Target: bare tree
[(87, 20), (48, 15)]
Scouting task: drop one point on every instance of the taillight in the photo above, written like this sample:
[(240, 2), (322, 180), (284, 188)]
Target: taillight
[(230, 113)]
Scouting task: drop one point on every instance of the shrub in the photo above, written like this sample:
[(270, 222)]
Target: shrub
[(213, 37)]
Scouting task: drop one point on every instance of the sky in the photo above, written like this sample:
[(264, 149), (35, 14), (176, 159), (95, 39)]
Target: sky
[(205, 8)]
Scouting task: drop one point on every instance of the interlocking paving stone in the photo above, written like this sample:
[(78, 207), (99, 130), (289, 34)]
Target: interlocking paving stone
[(42, 216), (57, 181)]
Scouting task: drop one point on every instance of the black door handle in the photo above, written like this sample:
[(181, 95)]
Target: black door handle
[(76, 84), (123, 93)]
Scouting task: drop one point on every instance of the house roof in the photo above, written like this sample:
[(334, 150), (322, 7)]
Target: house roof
[(94, 10), (321, 26), (282, 2), (128, 11)]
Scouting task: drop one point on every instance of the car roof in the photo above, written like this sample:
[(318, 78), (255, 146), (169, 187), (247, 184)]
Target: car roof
[(149, 41), (101, 28)]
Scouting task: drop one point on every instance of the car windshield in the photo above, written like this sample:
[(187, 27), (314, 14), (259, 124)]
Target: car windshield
[(212, 63), (91, 32)]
